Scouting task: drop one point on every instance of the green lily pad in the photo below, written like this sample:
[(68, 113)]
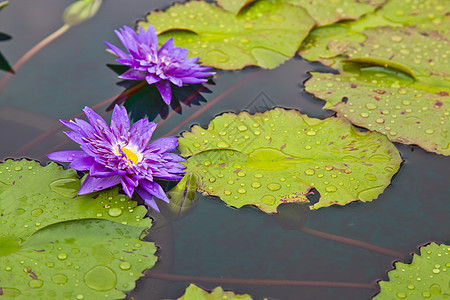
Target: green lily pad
[(424, 14), (265, 35), (279, 156), (427, 276), (421, 53), (85, 259), (328, 12), (234, 6), (57, 245), (193, 292), (41, 196), (405, 110)]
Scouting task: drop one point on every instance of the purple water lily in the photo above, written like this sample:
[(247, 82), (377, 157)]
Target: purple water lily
[(121, 153), (163, 67)]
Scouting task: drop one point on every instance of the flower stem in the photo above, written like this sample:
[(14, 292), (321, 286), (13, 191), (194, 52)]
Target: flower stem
[(59, 126), (330, 284), (212, 103), (352, 242), (32, 52)]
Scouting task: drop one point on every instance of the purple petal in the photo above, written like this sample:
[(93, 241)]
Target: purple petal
[(128, 185), (147, 197), (151, 78), (93, 184), (154, 189), (132, 74), (82, 163), (116, 50), (67, 156), (165, 144), (100, 171), (165, 90), (94, 118), (120, 118)]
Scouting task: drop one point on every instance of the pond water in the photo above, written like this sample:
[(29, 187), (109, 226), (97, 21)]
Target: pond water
[(215, 240)]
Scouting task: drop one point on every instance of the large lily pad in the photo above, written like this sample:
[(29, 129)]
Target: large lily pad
[(404, 109), (41, 196), (85, 259), (265, 35), (56, 245), (427, 276), (193, 292), (280, 155)]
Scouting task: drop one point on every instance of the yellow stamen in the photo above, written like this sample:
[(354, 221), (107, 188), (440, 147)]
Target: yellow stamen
[(130, 155)]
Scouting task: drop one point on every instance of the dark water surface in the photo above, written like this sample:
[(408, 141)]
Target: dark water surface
[(215, 240)]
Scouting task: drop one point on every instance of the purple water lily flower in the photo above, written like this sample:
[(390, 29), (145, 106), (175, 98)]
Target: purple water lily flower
[(121, 153), (163, 67)]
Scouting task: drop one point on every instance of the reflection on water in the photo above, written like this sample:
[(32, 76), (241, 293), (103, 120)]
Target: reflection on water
[(215, 240)]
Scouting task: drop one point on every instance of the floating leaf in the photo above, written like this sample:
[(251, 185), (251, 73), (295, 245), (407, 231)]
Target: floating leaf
[(266, 35), (279, 156), (41, 196), (405, 110), (193, 292), (422, 53), (85, 259), (427, 276), (234, 6), (429, 14), (327, 12), (52, 246)]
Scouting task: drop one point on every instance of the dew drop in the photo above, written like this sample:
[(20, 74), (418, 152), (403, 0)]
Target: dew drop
[(331, 189), (364, 115), (212, 179), (226, 192), (370, 177), (222, 144), (396, 38), (20, 211), (241, 174), (258, 175), (256, 185), (36, 212), (429, 131), (242, 128), (115, 211), (436, 271), (100, 278), (311, 133), (371, 106), (435, 289), (62, 256), (217, 55), (59, 279), (35, 283), (274, 186), (269, 200), (242, 191), (197, 145), (18, 168), (426, 294), (10, 292), (67, 187), (125, 265), (401, 295)]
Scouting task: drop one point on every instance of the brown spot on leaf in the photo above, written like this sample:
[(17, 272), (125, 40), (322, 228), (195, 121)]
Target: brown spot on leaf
[(32, 274), (381, 92), (222, 165), (282, 147), (378, 98), (438, 104), (443, 94), (237, 170), (353, 86)]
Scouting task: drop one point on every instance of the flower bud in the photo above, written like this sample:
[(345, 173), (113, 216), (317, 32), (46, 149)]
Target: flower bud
[(80, 11)]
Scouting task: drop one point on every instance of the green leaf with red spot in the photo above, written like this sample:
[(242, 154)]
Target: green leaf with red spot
[(281, 155), (426, 277)]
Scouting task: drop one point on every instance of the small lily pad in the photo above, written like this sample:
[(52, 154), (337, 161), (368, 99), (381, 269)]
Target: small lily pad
[(265, 35), (405, 110), (427, 276), (280, 155), (193, 292), (56, 245)]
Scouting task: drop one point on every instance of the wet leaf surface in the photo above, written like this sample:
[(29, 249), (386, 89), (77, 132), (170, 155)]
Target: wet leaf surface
[(426, 277), (265, 35), (279, 156), (193, 292), (406, 110), (55, 244)]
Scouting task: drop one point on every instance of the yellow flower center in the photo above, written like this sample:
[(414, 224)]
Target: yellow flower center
[(130, 155)]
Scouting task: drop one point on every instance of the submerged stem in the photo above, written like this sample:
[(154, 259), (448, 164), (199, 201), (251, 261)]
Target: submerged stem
[(352, 242), (32, 52), (330, 284)]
